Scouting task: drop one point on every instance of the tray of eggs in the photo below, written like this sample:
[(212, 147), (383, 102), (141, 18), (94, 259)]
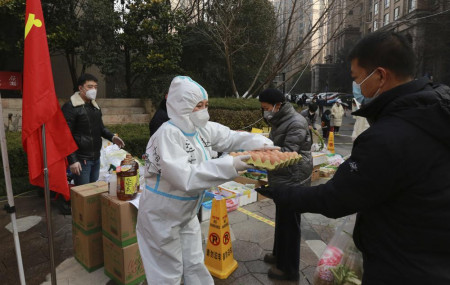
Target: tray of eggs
[(270, 159)]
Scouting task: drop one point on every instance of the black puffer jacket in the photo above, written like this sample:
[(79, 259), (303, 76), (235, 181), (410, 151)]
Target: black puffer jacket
[(290, 132), (397, 179), (86, 124), (159, 118)]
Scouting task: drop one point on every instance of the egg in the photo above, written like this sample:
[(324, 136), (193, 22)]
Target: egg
[(255, 156)]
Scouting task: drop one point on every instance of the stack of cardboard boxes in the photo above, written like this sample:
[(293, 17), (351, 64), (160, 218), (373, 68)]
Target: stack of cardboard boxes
[(122, 258), (104, 233), (87, 224)]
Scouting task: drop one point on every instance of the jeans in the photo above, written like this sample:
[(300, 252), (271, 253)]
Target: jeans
[(90, 170)]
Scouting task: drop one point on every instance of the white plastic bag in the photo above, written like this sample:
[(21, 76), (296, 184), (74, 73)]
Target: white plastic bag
[(341, 262)]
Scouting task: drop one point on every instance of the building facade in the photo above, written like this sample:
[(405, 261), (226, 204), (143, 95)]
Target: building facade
[(426, 23)]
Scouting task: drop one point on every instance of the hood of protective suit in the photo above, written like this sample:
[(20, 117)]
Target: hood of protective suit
[(184, 95)]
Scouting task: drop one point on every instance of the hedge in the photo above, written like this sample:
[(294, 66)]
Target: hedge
[(234, 104), (135, 138)]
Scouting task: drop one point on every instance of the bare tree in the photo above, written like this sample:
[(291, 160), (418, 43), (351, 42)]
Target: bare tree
[(289, 46), (225, 33), (286, 43)]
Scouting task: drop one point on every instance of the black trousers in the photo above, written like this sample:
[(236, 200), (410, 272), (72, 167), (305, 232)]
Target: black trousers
[(286, 247), (325, 132)]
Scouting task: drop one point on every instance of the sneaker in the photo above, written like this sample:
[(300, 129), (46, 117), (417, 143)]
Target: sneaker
[(270, 258), (275, 273)]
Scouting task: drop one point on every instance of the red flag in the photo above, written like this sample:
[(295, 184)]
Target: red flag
[(40, 106)]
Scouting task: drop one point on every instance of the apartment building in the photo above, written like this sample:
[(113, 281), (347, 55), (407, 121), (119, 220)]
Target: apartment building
[(296, 20), (424, 22)]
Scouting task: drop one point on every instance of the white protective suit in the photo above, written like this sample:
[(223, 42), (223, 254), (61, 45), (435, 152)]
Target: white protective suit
[(361, 123), (178, 170)]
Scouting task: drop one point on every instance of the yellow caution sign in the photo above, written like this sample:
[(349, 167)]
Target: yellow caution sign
[(219, 253), (257, 131), (330, 145)]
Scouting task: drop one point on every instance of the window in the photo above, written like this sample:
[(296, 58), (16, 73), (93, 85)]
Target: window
[(386, 3), (375, 26), (386, 19), (396, 13), (375, 9), (411, 5)]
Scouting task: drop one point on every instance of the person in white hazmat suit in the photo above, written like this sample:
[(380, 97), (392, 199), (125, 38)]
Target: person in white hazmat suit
[(361, 123), (178, 170)]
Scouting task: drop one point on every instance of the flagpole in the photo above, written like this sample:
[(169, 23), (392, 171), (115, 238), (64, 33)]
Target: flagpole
[(48, 210), (10, 208)]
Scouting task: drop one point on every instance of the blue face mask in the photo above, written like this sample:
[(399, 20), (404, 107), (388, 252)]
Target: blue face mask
[(357, 92)]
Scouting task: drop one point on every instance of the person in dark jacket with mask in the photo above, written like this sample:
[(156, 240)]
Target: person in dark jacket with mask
[(290, 132), (84, 117), (311, 115), (160, 117), (396, 178)]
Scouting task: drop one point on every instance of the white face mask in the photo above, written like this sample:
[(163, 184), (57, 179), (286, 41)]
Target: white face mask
[(91, 94), (200, 118)]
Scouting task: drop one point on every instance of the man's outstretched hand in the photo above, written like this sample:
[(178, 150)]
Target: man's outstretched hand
[(266, 191)]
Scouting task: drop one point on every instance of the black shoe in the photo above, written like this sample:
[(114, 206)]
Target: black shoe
[(275, 273), (64, 206), (270, 258)]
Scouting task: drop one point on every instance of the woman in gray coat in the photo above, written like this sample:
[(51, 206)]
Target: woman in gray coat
[(290, 132)]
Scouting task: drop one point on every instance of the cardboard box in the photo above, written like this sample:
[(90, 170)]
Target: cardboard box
[(327, 171), (246, 195), (258, 183), (119, 220), (319, 158), (87, 248), (86, 206), (123, 264), (315, 173)]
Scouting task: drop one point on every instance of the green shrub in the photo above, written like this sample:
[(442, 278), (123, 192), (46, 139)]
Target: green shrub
[(238, 120), (135, 137), (234, 104), (18, 165), (16, 156)]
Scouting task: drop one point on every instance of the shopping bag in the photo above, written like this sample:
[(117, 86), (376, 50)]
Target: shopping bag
[(341, 262)]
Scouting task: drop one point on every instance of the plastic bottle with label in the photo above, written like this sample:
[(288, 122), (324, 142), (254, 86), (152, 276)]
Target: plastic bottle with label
[(112, 184), (128, 179)]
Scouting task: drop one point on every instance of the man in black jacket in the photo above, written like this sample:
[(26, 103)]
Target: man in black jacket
[(160, 116), (84, 118), (397, 176)]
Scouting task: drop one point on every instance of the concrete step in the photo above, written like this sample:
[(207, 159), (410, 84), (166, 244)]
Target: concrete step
[(126, 119), (122, 110), (115, 111), (105, 103), (12, 103)]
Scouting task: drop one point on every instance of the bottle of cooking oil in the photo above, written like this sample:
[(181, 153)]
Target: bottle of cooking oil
[(128, 179)]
